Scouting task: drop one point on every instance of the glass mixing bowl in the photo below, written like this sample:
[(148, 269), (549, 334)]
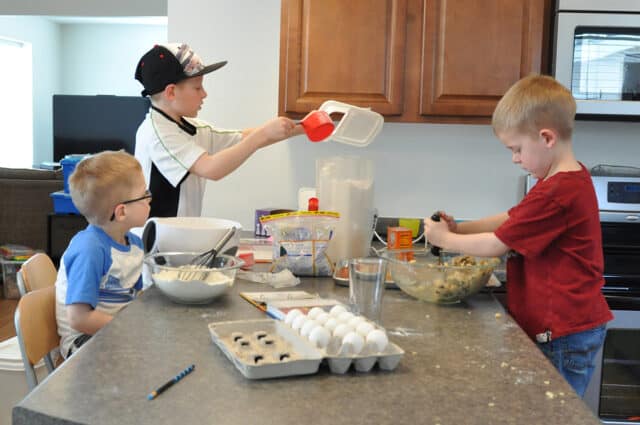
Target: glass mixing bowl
[(418, 273), (182, 283)]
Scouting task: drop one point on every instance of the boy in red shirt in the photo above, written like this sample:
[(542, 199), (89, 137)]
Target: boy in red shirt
[(555, 271)]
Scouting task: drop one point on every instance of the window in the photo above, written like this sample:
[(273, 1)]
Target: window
[(16, 104)]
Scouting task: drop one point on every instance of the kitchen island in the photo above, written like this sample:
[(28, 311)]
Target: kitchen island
[(464, 364)]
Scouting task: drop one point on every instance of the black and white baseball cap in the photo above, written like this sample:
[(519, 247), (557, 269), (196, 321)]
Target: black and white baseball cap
[(169, 64)]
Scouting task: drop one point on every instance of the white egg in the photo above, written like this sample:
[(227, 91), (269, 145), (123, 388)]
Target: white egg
[(356, 320), (322, 318), (314, 312), (378, 338), (292, 315), (341, 330), (331, 324), (299, 321), (319, 336), (305, 330), (345, 316), (355, 341), (336, 310), (364, 328)]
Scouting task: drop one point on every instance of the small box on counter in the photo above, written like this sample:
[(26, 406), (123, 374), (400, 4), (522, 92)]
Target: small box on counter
[(400, 238), (259, 230)]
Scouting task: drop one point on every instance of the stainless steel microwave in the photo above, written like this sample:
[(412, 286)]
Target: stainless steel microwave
[(597, 55)]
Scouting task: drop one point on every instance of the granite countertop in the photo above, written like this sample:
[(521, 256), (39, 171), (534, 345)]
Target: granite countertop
[(464, 364)]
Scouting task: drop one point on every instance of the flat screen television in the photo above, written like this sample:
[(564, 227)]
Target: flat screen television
[(90, 124)]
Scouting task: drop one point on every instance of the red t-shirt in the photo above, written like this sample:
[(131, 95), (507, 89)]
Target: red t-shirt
[(554, 282)]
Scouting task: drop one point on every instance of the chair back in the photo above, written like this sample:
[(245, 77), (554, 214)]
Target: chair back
[(36, 328), (36, 273)]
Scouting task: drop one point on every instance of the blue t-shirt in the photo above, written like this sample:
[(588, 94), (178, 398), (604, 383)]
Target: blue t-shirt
[(98, 271)]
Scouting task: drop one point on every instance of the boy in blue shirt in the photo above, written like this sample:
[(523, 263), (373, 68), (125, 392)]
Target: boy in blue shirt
[(100, 271)]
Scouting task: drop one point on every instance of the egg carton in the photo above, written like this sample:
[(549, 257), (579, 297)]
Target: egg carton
[(339, 360), (268, 348), (265, 348)]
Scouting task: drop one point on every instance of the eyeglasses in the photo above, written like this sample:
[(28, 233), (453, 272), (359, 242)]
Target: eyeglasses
[(147, 195)]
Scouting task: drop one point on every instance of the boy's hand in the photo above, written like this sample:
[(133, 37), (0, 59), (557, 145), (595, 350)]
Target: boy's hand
[(436, 231), (278, 129), (449, 220)]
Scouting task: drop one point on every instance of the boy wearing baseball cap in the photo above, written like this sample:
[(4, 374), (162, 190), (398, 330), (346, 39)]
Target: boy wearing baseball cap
[(179, 152)]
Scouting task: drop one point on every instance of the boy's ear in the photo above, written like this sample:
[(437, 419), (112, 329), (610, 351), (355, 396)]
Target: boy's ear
[(549, 137), (169, 91), (118, 212)]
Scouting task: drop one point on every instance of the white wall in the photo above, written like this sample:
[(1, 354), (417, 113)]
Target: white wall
[(419, 167), (45, 39), (101, 58)]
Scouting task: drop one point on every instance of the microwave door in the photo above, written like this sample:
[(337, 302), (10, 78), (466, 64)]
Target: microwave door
[(597, 56)]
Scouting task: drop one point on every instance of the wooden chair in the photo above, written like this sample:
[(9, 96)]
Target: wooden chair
[(37, 330), (36, 273)]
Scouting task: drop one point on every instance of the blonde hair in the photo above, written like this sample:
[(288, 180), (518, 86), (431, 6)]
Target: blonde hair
[(533, 103), (100, 181)]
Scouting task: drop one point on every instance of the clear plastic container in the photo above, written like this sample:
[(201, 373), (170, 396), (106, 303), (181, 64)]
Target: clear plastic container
[(345, 185), (357, 127)]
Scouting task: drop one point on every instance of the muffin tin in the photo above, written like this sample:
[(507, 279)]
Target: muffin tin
[(268, 348)]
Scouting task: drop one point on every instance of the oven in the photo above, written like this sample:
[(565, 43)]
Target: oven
[(597, 56), (614, 391)]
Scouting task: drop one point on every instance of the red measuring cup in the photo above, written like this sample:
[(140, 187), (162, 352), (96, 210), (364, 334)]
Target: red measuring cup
[(318, 125)]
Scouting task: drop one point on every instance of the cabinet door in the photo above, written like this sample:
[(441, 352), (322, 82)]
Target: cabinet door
[(473, 51), (347, 50)]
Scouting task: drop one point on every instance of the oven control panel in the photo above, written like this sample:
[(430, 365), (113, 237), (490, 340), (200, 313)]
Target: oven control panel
[(618, 197), (623, 192)]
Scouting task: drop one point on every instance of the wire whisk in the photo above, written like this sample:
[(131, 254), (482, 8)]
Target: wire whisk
[(205, 260)]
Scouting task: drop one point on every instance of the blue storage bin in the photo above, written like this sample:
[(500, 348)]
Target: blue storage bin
[(62, 203), (69, 163)]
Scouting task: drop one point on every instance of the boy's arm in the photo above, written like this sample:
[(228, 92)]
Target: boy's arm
[(220, 164), (484, 244), (85, 319), (486, 224)]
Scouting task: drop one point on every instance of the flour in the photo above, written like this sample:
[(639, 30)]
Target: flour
[(353, 199), (212, 278)]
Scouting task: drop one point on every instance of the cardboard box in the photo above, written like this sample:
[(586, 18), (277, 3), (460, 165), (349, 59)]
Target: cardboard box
[(400, 238)]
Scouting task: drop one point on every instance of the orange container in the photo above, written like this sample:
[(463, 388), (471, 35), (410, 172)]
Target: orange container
[(400, 238)]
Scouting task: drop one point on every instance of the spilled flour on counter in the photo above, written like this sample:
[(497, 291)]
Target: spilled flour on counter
[(404, 332)]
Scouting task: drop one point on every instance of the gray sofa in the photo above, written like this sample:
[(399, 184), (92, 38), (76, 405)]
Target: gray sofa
[(26, 204)]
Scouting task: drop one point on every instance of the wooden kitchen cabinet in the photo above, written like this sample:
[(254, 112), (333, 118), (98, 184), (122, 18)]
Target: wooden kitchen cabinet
[(410, 60)]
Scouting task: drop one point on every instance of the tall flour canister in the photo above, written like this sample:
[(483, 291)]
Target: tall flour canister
[(345, 185)]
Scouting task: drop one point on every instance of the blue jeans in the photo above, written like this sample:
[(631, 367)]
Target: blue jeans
[(573, 355)]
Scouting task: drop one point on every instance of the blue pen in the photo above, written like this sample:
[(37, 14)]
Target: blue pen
[(172, 381)]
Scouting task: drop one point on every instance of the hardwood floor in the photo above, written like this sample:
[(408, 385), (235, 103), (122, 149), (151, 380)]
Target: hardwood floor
[(7, 308)]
